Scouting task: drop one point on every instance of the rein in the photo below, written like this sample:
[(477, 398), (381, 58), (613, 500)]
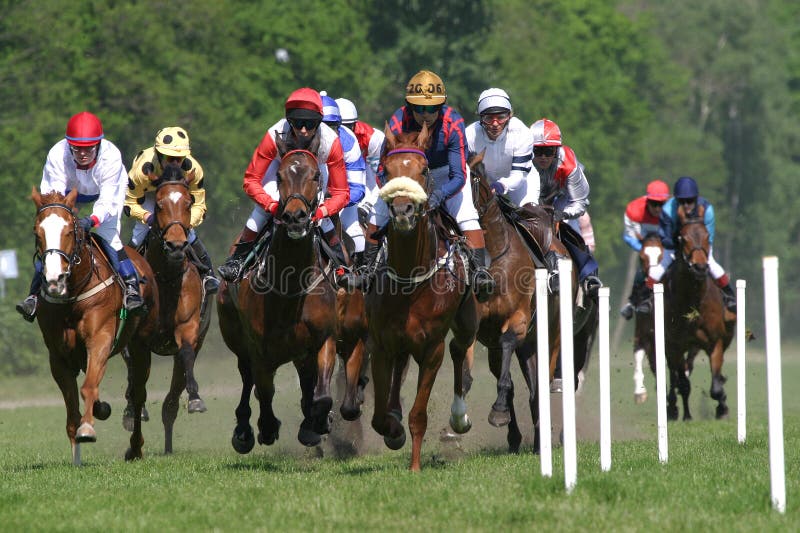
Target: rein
[(312, 205), (171, 223)]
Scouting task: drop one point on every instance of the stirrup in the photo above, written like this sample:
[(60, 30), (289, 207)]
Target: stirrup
[(27, 307), (627, 311), (483, 284), (231, 269), (210, 283), (591, 285), (132, 301)]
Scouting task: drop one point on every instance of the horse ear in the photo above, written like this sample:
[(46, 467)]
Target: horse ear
[(280, 144), (701, 211), (71, 198), (190, 176), (391, 140), (475, 159), (423, 137), (313, 146), (36, 197)]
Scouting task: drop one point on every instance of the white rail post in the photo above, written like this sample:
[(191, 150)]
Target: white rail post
[(661, 370), (567, 374), (772, 318), (543, 373), (605, 381), (741, 334)]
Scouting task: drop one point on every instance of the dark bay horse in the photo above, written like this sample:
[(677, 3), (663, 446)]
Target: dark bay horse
[(184, 314), (82, 319), (694, 316), (418, 297), (285, 310), (506, 325)]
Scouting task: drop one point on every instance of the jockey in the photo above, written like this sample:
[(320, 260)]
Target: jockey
[(447, 161), (563, 185), (371, 141), (687, 195), (171, 148), (506, 143), (355, 167), (303, 123), (641, 219), (86, 161)]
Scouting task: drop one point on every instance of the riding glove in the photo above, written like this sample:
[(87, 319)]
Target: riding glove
[(435, 199), (86, 223), (498, 188)]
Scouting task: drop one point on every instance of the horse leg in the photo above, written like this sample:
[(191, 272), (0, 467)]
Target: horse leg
[(139, 372), (189, 356), (500, 414), (322, 401), (639, 390), (418, 415), (97, 350), (306, 373), (264, 379), (385, 422), (243, 439), (718, 380), (169, 410), (685, 388), (65, 379), (351, 404), (672, 398), (527, 364), (469, 362), (127, 414), (459, 420)]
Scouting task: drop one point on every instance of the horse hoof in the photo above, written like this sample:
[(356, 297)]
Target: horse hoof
[(499, 418), (243, 442), (197, 406), (101, 410), (308, 437), (351, 413), (85, 433), (722, 412), (319, 416), (130, 455), (395, 443), (640, 397), (514, 443), (672, 413), (145, 414), (460, 424)]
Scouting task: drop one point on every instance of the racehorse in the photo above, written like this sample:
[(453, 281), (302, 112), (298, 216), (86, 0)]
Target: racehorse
[(694, 316), (286, 310), (506, 325), (650, 255), (418, 296), (184, 314), (82, 318)]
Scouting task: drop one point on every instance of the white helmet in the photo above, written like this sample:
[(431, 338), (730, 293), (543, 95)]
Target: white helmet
[(493, 98), (347, 109)]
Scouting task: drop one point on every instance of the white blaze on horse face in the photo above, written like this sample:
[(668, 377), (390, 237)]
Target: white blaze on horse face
[(175, 197), (406, 162), (653, 254), (295, 166), (52, 225)]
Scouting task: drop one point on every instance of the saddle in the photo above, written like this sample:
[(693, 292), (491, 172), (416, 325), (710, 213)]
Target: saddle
[(534, 223)]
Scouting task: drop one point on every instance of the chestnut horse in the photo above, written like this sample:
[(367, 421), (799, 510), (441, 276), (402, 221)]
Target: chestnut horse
[(82, 318), (285, 310), (644, 340), (417, 298), (184, 314), (694, 316), (506, 325)]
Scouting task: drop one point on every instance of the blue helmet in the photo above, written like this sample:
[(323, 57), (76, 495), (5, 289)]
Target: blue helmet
[(330, 109), (686, 187)]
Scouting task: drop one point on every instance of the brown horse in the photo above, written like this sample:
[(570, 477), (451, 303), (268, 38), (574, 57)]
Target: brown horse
[(285, 310), (82, 319), (694, 316), (506, 325), (184, 314), (650, 255), (418, 297)]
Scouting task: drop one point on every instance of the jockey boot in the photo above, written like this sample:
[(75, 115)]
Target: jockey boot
[(728, 297), (551, 263), (210, 281), (232, 268), (343, 275), (27, 307), (365, 264), (132, 300), (629, 308), (591, 284), (645, 305), (482, 281)]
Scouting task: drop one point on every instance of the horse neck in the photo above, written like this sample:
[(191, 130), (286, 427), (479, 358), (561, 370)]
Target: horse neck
[(291, 258), (496, 227), (89, 264), (414, 252), (158, 260)]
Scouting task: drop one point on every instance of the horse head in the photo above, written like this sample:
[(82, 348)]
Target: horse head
[(173, 210), (652, 251), (693, 241), (405, 166), (299, 188), (58, 239), (481, 190)]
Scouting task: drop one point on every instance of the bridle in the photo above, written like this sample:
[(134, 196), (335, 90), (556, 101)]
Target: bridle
[(425, 172), (311, 205), (73, 259), (161, 231), (686, 256)]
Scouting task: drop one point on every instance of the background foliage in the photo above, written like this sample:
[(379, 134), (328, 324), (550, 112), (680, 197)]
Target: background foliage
[(641, 89)]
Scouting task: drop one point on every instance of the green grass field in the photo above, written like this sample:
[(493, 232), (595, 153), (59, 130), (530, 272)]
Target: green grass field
[(352, 482)]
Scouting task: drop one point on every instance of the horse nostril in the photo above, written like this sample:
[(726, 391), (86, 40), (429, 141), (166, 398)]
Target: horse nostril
[(409, 209)]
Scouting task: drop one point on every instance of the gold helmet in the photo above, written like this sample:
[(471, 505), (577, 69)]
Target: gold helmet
[(173, 141), (425, 88)]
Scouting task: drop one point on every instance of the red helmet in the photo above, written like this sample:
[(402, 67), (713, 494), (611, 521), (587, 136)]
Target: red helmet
[(657, 190), (546, 133), (84, 129), (305, 98)]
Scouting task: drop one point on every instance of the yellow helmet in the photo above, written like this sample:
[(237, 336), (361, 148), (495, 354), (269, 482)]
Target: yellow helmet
[(425, 88), (173, 141)]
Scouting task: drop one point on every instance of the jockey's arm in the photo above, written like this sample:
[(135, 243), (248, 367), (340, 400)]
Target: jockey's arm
[(578, 191), (337, 182), (457, 159), (709, 221), (521, 163), (666, 225), (356, 169), (631, 233), (138, 183), (264, 154), (112, 178)]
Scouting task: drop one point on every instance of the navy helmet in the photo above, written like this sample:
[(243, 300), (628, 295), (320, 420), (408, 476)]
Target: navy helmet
[(686, 188)]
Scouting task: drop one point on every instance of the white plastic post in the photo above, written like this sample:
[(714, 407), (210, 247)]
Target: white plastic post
[(741, 397), (605, 381), (661, 372), (567, 374), (772, 318), (543, 373)]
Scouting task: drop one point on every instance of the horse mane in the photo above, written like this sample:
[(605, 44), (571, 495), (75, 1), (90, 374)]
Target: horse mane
[(52, 197)]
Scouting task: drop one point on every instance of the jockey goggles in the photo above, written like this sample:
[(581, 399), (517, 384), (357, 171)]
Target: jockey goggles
[(546, 151), (307, 123), (499, 118), (431, 109)]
